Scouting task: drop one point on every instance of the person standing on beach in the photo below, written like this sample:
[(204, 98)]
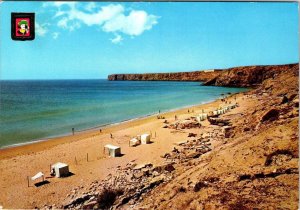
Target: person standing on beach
[(73, 131), (175, 117), (111, 136), (100, 131)]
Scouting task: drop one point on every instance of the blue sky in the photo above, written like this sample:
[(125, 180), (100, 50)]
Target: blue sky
[(89, 40)]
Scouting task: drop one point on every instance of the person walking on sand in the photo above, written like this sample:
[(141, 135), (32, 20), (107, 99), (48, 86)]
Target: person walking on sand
[(111, 136), (100, 131), (73, 131), (175, 117)]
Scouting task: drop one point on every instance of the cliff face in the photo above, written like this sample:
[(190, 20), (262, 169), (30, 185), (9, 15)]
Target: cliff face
[(245, 76), (178, 76), (249, 76)]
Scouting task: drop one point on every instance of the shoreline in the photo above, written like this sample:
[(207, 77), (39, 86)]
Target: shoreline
[(43, 144), (95, 128), (79, 129)]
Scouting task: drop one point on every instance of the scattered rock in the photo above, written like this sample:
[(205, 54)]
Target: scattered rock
[(218, 121), (278, 157), (246, 129), (156, 181), (140, 166), (89, 205), (167, 155), (192, 135), (185, 124), (193, 155), (199, 185), (284, 100), (138, 175), (228, 131), (244, 177), (270, 115)]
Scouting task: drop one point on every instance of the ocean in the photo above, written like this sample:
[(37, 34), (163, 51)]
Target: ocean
[(32, 110)]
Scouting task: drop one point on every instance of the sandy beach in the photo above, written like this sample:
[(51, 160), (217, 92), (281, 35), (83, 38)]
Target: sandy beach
[(16, 163)]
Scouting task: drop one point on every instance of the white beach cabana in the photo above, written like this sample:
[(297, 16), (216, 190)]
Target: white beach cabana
[(201, 117), (205, 115), (145, 138), (37, 176), (134, 142), (60, 169), (112, 150)]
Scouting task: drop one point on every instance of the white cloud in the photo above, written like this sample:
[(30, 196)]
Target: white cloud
[(111, 18), (65, 23), (59, 13), (134, 24), (62, 3), (90, 6), (118, 39), (41, 30), (55, 35)]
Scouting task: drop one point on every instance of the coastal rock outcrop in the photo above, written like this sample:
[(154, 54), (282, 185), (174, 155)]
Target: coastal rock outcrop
[(249, 76), (176, 76), (244, 76)]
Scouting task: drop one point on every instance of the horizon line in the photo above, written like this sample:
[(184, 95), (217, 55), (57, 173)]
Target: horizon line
[(220, 69)]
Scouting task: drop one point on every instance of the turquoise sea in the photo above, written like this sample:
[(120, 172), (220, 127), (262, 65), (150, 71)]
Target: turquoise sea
[(38, 109)]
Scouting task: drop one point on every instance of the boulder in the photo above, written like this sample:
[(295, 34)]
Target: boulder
[(156, 181), (219, 121), (192, 135), (284, 100), (228, 131), (185, 124), (166, 167), (193, 155), (89, 205), (270, 115), (199, 185)]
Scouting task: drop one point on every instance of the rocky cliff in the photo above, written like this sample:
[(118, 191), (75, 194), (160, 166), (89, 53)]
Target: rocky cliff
[(245, 76), (249, 76), (178, 76)]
